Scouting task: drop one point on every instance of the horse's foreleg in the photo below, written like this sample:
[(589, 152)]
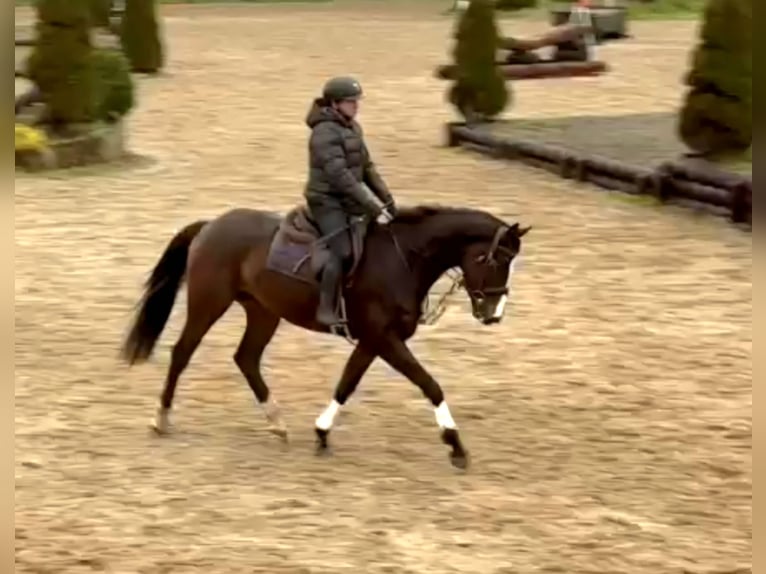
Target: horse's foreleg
[(356, 366), (396, 353)]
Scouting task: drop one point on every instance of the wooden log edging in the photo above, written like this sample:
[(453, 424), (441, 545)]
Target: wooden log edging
[(671, 180), (703, 176), (537, 71)]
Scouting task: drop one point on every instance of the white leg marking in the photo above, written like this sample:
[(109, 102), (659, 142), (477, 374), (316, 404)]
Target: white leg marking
[(327, 418), (271, 409), (273, 414), (444, 417), (500, 307), (161, 422)]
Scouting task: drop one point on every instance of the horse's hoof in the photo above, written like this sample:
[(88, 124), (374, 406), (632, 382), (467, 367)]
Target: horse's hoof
[(322, 450), (322, 446), (159, 429), (161, 423), (459, 460), (280, 432)]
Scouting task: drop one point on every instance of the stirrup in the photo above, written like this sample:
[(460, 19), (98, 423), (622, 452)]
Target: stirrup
[(341, 327), (341, 330)]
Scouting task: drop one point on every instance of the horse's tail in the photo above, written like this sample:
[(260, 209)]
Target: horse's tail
[(159, 296)]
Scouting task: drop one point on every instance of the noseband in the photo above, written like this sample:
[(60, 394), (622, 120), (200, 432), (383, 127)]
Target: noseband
[(490, 260)]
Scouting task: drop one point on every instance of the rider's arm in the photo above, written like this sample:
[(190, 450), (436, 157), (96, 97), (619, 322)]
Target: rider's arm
[(327, 146), (376, 184), (372, 178)]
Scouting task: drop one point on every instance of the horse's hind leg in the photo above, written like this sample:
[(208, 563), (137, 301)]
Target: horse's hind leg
[(204, 307), (261, 326)]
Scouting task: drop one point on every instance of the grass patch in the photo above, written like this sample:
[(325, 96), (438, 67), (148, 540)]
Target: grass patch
[(641, 139), (742, 164), (652, 10), (33, 2), (667, 10), (243, 1), (637, 10)]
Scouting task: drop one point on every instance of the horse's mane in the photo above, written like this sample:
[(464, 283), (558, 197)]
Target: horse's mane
[(419, 213), (422, 225)]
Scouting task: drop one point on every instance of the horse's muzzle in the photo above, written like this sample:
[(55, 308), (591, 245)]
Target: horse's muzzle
[(489, 310)]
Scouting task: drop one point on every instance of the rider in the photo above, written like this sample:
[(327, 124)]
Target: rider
[(343, 182)]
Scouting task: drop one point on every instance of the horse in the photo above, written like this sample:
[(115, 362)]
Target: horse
[(236, 257)]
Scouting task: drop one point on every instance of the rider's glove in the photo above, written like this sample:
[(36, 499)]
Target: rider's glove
[(385, 217)]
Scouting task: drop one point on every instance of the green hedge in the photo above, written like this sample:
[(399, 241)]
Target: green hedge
[(716, 117), (61, 64), (479, 92), (140, 36), (115, 85)]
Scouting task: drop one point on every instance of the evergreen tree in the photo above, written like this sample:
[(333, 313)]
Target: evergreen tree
[(479, 91), (116, 91), (61, 65), (140, 36), (716, 118)]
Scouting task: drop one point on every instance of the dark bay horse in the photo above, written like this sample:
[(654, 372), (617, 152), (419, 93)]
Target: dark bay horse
[(224, 260)]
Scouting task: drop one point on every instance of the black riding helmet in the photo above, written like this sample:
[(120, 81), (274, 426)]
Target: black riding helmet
[(342, 88)]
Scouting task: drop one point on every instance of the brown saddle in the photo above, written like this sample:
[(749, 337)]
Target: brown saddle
[(298, 249)]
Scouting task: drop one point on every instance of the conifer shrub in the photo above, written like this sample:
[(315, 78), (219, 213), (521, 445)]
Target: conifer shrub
[(115, 85), (479, 92), (61, 63), (716, 118), (140, 36)]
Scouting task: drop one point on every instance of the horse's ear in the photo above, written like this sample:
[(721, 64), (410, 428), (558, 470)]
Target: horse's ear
[(522, 231), (518, 231)]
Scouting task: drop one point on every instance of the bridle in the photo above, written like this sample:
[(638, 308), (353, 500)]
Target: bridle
[(489, 260)]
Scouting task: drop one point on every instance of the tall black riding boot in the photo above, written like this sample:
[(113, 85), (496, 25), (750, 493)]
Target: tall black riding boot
[(328, 294)]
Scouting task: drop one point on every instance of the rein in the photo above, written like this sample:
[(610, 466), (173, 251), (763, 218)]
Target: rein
[(398, 248), (431, 314)]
